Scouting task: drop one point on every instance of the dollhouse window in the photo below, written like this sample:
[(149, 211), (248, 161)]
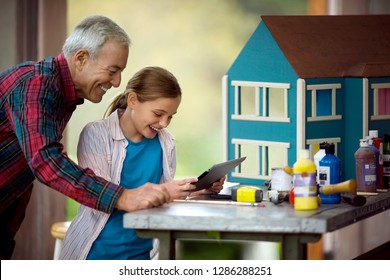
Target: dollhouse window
[(381, 101), (384, 101), (323, 102), (262, 156), (257, 101)]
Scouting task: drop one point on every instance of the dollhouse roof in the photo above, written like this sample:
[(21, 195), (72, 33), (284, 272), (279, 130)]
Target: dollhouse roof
[(334, 46)]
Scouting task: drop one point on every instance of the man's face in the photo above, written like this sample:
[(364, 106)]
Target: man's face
[(94, 77)]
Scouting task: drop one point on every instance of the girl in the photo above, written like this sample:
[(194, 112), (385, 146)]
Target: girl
[(130, 147)]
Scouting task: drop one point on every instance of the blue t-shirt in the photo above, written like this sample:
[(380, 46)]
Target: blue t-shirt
[(143, 163)]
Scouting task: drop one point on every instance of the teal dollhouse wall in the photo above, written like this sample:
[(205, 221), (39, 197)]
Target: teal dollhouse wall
[(327, 129), (353, 118), (261, 60)]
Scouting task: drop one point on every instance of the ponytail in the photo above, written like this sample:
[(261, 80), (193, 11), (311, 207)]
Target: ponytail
[(119, 102)]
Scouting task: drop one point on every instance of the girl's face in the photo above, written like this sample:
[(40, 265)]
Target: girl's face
[(144, 119)]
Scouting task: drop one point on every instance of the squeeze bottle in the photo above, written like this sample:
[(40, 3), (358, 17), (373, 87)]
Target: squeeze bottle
[(329, 173), (304, 182), (365, 168), (318, 156)]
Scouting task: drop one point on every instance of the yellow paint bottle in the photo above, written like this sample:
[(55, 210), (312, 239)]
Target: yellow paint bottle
[(304, 182)]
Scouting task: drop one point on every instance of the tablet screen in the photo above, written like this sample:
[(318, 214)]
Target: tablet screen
[(216, 172)]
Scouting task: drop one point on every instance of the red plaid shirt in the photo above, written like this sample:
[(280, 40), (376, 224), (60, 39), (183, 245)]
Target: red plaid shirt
[(37, 100)]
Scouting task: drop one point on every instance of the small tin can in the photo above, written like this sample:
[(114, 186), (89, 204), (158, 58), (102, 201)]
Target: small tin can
[(280, 180)]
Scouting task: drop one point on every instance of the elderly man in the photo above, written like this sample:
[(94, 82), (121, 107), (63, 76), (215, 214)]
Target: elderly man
[(37, 100)]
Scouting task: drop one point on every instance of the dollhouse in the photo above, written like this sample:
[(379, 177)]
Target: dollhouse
[(302, 80)]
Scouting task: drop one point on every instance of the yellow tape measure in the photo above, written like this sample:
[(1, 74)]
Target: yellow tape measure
[(247, 194)]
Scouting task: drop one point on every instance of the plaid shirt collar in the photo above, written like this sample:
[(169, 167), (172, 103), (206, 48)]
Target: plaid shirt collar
[(70, 91)]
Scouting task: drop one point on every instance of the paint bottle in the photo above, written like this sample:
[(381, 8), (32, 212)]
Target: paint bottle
[(378, 143), (304, 182), (365, 168), (318, 156), (370, 140), (329, 173), (386, 161)]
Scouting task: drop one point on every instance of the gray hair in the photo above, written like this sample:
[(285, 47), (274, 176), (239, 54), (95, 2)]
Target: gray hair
[(92, 33)]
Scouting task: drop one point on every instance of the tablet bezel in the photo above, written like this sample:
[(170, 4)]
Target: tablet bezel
[(216, 172)]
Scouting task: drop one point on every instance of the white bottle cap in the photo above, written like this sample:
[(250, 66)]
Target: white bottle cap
[(370, 140), (304, 154), (363, 143)]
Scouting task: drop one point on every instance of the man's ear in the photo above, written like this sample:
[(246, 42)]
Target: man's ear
[(81, 57)]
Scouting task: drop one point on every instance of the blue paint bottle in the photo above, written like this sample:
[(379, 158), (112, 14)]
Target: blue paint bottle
[(329, 174)]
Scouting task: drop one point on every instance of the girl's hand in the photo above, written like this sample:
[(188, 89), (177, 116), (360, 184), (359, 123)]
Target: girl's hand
[(214, 189)]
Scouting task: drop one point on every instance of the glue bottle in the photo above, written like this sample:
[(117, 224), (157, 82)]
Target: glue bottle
[(304, 182), (365, 168), (329, 173), (318, 156)]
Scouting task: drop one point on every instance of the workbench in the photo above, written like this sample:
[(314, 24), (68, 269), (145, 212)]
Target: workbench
[(275, 223)]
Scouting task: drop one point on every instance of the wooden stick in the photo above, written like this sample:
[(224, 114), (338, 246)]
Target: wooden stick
[(227, 202), (367, 193)]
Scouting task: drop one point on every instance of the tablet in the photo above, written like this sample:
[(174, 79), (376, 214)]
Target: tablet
[(216, 172)]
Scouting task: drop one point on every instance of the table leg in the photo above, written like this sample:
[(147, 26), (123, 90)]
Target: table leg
[(294, 247), (167, 250), (167, 245)]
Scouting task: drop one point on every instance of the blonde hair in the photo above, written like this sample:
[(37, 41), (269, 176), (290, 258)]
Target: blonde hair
[(149, 84)]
